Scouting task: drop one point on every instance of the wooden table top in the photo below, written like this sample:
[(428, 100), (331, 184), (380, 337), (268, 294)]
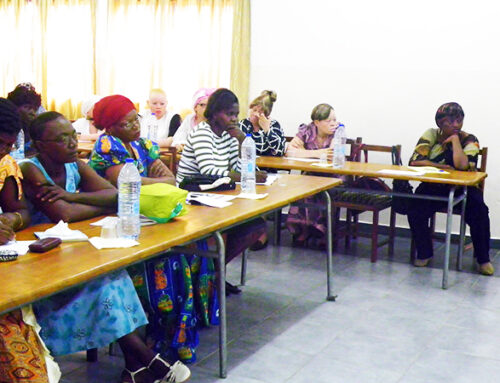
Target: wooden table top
[(34, 276), (455, 177)]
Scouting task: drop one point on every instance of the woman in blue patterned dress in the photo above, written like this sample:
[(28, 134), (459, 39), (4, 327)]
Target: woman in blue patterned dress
[(90, 316)]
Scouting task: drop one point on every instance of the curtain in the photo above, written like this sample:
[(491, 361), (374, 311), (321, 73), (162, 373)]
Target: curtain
[(72, 49), (240, 59)]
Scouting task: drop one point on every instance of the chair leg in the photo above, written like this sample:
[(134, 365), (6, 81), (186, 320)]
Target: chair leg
[(392, 231), (244, 258), (374, 237), (348, 228), (413, 251), (92, 355)]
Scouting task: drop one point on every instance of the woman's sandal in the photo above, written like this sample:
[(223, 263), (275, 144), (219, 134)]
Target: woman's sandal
[(178, 372), (134, 373)]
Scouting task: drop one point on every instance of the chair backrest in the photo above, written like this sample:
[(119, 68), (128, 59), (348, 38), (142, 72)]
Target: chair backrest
[(355, 154), (169, 158), (482, 161), (394, 150)]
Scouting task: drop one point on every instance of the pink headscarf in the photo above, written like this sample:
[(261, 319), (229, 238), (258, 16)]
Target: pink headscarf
[(202, 93), (110, 110)]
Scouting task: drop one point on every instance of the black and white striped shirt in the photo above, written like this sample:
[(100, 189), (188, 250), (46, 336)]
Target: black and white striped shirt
[(266, 144), (207, 153)]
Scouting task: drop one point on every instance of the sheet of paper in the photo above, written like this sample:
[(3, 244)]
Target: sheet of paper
[(252, 195), (269, 180), (301, 159), (327, 165), (209, 199), (400, 172), (112, 243), (21, 247), (62, 231), (428, 169)]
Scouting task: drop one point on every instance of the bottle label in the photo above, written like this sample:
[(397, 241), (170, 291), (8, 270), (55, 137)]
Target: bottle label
[(250, 167)]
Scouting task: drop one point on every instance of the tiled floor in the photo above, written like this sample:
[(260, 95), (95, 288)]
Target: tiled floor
[(391, 323)]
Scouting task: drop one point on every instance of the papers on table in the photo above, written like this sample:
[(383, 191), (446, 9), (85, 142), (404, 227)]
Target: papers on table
[(112, 243), (301, 159), (414, 170), (209, 199), (62, 231), (428, 169), (269, 180), (252, 195), (113, 221), (323, 165), (20, 247)]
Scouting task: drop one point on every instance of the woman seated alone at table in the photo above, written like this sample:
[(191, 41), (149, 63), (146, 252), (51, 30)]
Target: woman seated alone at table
[(449, 147), (213, 149), (312, 141), (267, 133), (117, 117), (61, 186), (21, 350)]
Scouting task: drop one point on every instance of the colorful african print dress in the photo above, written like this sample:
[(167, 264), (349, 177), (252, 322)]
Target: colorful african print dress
[(92, 315), (177, 292), (21, 352)]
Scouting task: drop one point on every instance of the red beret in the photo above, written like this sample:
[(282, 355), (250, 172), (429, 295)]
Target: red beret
[(109, 110)]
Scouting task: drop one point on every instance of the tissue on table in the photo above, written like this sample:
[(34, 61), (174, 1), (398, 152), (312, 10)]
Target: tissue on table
[(62, 231)]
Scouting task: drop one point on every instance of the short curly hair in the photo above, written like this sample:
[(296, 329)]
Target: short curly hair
[(450, 110), (38, 125), (10, 123), (221, 99), (22, 95)]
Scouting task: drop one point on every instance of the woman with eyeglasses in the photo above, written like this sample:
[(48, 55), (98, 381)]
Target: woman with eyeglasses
[(61, 186), (117, 117)]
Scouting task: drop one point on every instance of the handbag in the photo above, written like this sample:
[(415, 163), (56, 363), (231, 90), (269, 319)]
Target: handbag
[(401, 205), (161, 202), (204, 182)]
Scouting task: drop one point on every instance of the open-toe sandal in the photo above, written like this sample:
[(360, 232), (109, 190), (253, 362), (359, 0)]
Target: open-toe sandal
[(177, 372)]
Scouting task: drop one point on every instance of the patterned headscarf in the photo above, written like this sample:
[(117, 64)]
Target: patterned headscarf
[(450, 110), (110, 110)]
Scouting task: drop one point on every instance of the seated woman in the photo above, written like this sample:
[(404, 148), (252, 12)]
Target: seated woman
[(200, 99), (167, 123), (84, 126), (213, 149), (27, 102), (117, 117), (21, 349), (448, 147), (267, 133), (312, 141), (61, 186)]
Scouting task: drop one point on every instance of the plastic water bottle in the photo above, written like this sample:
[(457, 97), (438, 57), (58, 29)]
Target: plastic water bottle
[(248, 155), (153, 128), (339, 142), (18, 150), (129, 189)]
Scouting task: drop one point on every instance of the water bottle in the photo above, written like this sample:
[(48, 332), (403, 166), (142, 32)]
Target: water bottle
[(18, 150), (153, 128), (248, 155), (129, 189), (339, 142)]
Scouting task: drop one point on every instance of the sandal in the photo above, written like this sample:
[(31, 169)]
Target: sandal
[(134, 373), (177, 372)]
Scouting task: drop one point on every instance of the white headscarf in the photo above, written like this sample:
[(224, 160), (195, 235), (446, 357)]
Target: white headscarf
[(89, 104)]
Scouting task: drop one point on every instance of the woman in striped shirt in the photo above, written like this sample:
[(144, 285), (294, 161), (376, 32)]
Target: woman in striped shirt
[(213, 149)]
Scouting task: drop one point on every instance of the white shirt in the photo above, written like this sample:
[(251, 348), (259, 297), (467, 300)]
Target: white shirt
[(187, 126), (148, 120)]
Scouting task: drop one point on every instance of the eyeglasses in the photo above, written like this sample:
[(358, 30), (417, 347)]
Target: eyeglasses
[(64, 139), (131, 124)]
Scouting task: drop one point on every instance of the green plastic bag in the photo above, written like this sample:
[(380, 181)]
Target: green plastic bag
[(162, 202)]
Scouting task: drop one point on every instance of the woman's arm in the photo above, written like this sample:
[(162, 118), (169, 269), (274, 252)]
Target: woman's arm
[(460, 160), (275, 138), (296, 149), (15, 214), (165, 142), (158, 168), (39, 190)]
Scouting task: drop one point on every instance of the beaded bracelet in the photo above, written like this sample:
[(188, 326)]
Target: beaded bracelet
[(8, 255)]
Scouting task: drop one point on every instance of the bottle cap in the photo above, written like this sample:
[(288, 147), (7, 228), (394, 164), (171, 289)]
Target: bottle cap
[(129, 161), (248, 135), (153, 114)]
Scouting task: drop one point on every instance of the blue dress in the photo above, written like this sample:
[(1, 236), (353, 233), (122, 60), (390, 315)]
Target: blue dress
[(94, 314)]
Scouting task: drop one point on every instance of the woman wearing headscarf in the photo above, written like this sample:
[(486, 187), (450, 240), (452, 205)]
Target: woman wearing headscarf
[(200, 99), (116, 115), (449, 147), (84, 126)]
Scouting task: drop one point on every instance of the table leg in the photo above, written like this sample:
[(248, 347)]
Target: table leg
[(462, 233), (277, 227), (329, 244), (449, 217), (221, 262)]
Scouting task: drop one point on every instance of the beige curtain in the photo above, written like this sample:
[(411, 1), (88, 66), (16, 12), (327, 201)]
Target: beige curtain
[(72, 49), (240, 58)]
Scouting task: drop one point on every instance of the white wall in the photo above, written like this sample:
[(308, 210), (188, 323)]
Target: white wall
[(385, 66)]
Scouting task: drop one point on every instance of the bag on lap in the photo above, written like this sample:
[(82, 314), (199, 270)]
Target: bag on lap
[(162, 202)]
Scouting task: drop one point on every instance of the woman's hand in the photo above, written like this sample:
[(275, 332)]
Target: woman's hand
[(180, 148), (52, 193), (260, 177), (264, 122), (6, 233), (236, 132), (158, 169)]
